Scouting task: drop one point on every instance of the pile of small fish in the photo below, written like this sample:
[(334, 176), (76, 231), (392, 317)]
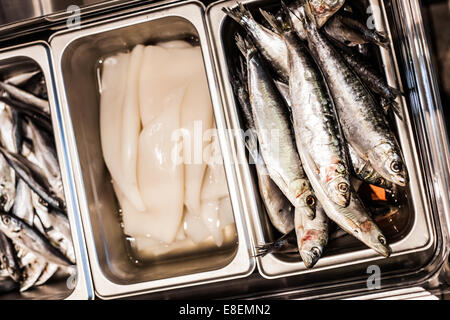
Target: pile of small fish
[(318, 118), (35, 239)]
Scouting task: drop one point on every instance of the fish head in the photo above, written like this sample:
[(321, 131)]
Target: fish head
[(372, 236), (311, 246), (7, 196), (304, 197), (9, 224), (338, 188), (387, 161)]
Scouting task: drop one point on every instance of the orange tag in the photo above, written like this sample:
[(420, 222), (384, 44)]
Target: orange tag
[(378, 193)]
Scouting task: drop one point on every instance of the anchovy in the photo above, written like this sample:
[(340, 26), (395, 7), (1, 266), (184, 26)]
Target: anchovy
[(362, 122), (34, 177), (271, 116), (36, 85), (354, 219), (8, 257), (32, 267), (49, 270), (45, 157), (34, 114), (270, 45), (25, 97), (314, 118), (278, 207), (28, 237), (365, 172), (21, 78)]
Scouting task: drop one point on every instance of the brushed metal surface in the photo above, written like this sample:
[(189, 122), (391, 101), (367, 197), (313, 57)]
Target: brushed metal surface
[(37, 56), (76, 56)]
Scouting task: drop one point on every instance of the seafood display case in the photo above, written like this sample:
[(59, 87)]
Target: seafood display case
[(72, 59)]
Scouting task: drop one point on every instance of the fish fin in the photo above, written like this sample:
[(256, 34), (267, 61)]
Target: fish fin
[(384, 40), (245, 45), (238, 13), (396, 91), (278, 26), (391, 104)]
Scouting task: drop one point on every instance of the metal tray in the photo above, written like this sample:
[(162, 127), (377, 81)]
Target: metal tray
[(21, 59), (416, 242), (76, 54)]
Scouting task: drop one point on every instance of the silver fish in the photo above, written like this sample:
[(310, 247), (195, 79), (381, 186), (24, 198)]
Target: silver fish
[(32, 267), (8, 257), (278, 207), (272, 123), (314, 117), (34, 177), (25, 97), (270, 45), (48, 272), (342, 33), (7, 185), (45, 157), (55, 227), (312, 235), (354, 219), (366, 172), (21, 78), (28, 237), (362, 120)]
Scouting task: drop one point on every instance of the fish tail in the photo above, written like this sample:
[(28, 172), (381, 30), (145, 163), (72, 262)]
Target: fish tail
[(244, 45), (238, 13), (381, 39), (278, 26)]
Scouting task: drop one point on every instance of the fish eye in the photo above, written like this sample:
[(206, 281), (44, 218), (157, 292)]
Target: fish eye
[(396, 166), (3, 199), (343, 187), (379, 181), (6, 219), (382, 240), (310, 201), (44, 203)]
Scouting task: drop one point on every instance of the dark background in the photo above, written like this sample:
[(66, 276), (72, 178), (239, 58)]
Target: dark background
[(436, 14)]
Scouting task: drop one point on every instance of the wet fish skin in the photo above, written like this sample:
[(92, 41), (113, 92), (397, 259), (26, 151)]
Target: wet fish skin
[(8, 257), (278, 207), (354, 219), (314, 118), (34, 177), (7, 185), (362, 120), (271, 117), (39, 117), (25, 97), (46, 159), (312, 235), (270, 45), (342, 33), (365, 172), (371, 77), (373, 36), (26, 236)]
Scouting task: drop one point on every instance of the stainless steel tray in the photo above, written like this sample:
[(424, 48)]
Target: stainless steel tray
[(418, 241), (37, 55), (76, 54)]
